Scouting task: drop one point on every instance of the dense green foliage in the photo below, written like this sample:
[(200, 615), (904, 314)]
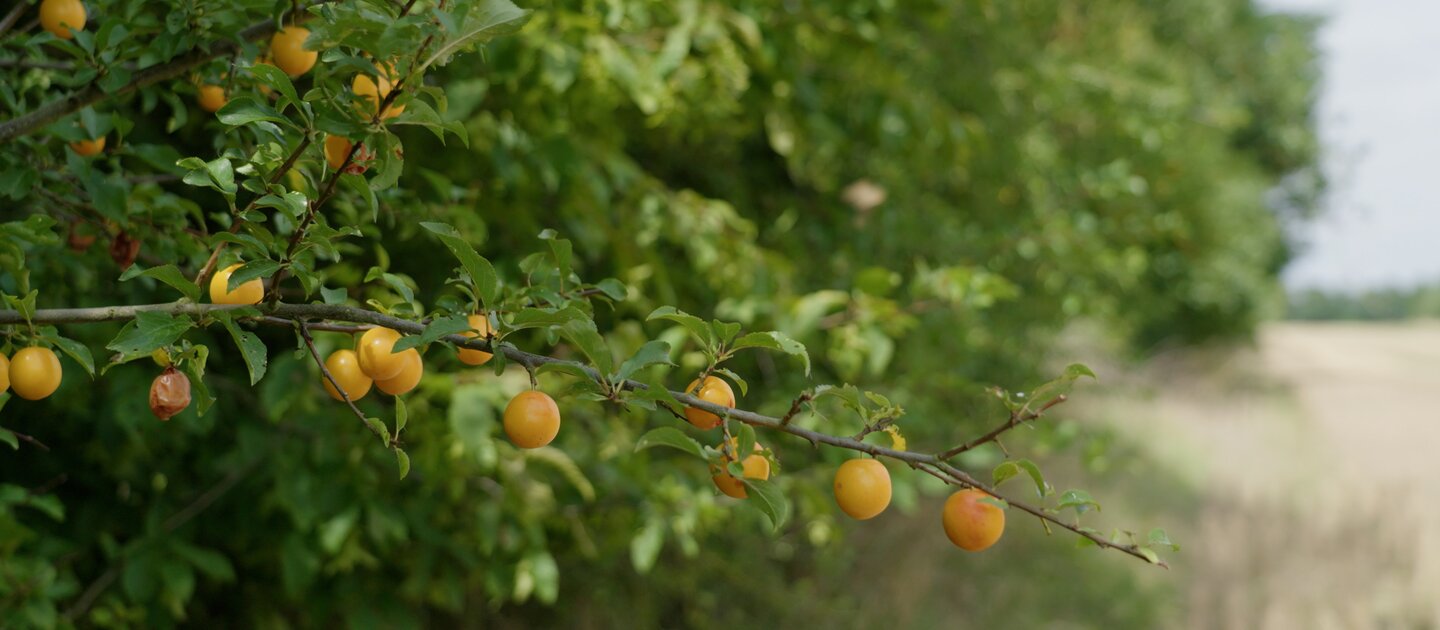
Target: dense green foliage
[(924, 193), (1375, 304)]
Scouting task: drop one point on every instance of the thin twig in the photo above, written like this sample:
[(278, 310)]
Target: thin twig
[(13, 16), (26, 438), (325, 371), (1017, 418), (335, 312)]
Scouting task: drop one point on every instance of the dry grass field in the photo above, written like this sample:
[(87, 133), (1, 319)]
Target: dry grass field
[(1315, 457)]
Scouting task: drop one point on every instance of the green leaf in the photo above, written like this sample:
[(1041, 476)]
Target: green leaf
[(169, 274), (697, 327), (403, 461), (1158, 538), (7, 436), (563, 252), (243, 110), (481, 272), (612, 288), (74, 349), (583, 334), (1077, 370), (671, 437), (333, 296), (195, 369), (491, 19), (378, 426), (1078, 499), (402, 416), (263, 268), (277, 79), (146, 333), (437, 328), (652, 353), (212, 563), (770, 500), (1004, 471), (995, 501), (294, 203), (645, 546), (1041, 488), (1149, 555), (544, 317), (730, 374), (744, 441), (724, 332), (775, 340), (251, 348)]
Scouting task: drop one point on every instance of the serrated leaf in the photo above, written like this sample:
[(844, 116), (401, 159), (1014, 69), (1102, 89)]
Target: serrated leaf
[(652, 353), (480, 271), (491, 19), (402, 416), (1041, 487), (277, 79), (744, 441), (195, 369), (544, 317), (770, 500), (147, 332), (671, 437), (724, 332), (169, 274)]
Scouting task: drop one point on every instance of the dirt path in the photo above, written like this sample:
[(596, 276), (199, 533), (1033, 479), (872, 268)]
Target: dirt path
[(1317, 455)]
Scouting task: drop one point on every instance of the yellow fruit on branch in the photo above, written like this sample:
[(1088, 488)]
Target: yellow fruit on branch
[(532, 419), (862, 488), (378, 358), (4, 373), (87, 148), (344, 367), (375, 90), (287, 48), (754, 467), (411, 369), (715, 391), (34, 373), (481, 326), (212, 98), (59, 16), (249, 292), (972, 523)]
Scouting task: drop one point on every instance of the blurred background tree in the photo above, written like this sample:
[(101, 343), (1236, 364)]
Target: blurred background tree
[(926, 193)]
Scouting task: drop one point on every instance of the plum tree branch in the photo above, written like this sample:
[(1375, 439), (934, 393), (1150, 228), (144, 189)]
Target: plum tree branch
[(1017, 418), (340, 313), (93, 93)]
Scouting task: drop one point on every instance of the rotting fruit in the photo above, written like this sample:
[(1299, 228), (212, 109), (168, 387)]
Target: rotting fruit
[(59, 16), (287, 48), (34, 373), (972, 523), (715, 391), (344, 367), (378, 358), (755, 467), (411, 369), (169, 393), (862, 488), (481, 326), (532, 419), (249, 292)]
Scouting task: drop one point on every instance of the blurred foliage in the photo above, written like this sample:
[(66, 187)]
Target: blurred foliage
[(923, 192), (1376, 304)]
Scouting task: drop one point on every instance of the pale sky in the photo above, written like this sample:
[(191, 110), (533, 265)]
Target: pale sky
[(1380, 123)]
